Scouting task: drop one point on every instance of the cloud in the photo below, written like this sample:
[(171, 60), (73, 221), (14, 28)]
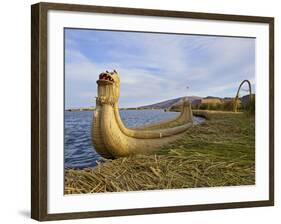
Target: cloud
[(155, 67)]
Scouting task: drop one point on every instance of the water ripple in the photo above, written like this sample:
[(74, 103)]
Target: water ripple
[(78, 149)]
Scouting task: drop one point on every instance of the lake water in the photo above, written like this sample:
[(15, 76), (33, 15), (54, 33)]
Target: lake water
[(78, 149)]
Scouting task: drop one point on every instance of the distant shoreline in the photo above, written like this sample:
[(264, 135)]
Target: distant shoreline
[(93, 109), (209, 102), (80, 109)]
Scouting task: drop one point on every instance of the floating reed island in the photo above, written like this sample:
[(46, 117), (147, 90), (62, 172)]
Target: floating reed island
[(218, 152)]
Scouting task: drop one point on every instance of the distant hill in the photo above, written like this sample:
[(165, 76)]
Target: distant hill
[(177, 101), (168, 103), (245, 99)]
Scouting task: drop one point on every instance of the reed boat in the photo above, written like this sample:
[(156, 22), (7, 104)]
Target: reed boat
[(112, 139)]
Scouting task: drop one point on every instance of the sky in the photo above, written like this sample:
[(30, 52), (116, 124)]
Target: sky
[(154, 67)]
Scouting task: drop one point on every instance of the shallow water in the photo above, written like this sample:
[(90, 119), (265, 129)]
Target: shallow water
[(78, 149)]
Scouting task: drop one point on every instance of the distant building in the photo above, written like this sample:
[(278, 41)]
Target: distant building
[(211, 100), (207, 100), (228, 99)]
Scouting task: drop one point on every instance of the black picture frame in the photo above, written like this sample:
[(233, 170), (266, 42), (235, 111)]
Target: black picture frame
[(39, 106)]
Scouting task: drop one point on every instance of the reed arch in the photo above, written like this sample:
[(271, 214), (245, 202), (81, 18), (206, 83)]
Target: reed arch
[(238, 91)]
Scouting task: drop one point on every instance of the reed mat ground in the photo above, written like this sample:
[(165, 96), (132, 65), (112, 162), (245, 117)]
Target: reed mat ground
[(219, 152)]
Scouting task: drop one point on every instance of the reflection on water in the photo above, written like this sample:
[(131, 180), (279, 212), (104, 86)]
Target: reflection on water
[(78, 149)]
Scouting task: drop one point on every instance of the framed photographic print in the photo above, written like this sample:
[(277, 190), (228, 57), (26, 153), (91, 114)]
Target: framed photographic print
[(140, 111)]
